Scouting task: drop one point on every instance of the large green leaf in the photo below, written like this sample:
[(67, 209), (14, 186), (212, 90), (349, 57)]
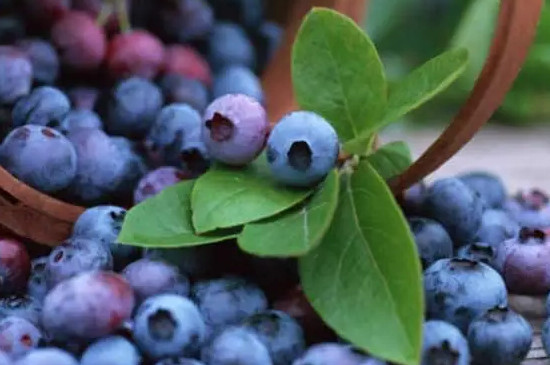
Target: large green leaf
[(364, 279), (165, 221), (424, 83), (296, 232), (227, 197), (391, 159), (336, 72)]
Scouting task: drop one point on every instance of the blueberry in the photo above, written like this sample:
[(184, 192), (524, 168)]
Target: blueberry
[(330, 354), (156, 181), (169, 325), (478, 251), (18, 336), (236, 346), (177, 361), (75, 256), (248, 13), (496, 227), (230, 45), (444, 344), (132, 107), (280, 333), (16, 76), (237, 80), (489, 187), (546, 336), (22, 306), (48, 356), (432, 240), (99, 168), (4, 359), (40, 157), (87, 306), (14, 266), (134, 167), (302, 148), (37, 286), (110, 351), (235, 129), (44, 60), (103, 223), (45, 106), (185, 20), (80, 118), (83, 97), (227, 301), (413, 200), (500, 337), (180, 89), (373, 361), (457, 207), (530, 209), (459, 290), (268, 38), (152, 277)]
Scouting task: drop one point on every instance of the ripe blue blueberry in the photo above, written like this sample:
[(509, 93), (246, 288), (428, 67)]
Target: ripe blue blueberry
[(169, 325), (44, 60), (413, 200), (156, 181), (235, 129), (444, 344), (236, 345), (237, 80), (16, 76), (47, 356), (459, 290), (500, 337), (176, 361), (39, 156), (227, 301), (134, 167), (456, 207), (180, 89), (302, 149), (546, 336), (489, 187), (37, 286), (45, 106), (110, 351), (330, 354), (478, 251), (530, 209), (280, 333), (22, 306), (496, 227), (248, 13), (152, 277), (80, 118), (4, 359), (18, 336), (230, 45), (432, 240)]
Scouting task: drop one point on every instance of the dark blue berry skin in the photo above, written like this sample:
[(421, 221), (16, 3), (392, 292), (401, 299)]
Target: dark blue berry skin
[(248, 13), (48, 356), (16, 76), (45, 105), (227, 301), (156, 181), (237, 80), (103, 223), (22, 306), (132, 107), (236, 345), (177, 361), (18, 336), (497, 226), (230, 45), (110, 351), (83, 97), (444, 344), (134, 168), (185, 20), (301, 149), (500, 337), (44, 60), (413, 200), (38, 285), (459, 290), (456, 207), (268, 38), (280, 333), (489, 187), (169, 325), (330, 354), (180, 89), (40, 157), (478, 251), (373, 361), (530, 209), (4, 359), (80, 118), (152, 277), (432, 240), (75, 256), (546, 336), (234, 129)]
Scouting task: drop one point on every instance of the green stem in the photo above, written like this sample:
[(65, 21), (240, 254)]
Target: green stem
[(104, 13), (122, 14)]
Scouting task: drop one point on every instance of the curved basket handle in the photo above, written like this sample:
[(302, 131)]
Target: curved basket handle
[(516, 28)]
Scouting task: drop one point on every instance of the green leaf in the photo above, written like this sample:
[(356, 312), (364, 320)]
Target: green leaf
[(391, 159), (361, 145), (165, 221), (364, 279), (424, 83), (228, 197), (296, 232), (336, 72)]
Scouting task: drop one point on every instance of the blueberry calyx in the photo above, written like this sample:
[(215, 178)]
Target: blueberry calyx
[(498, 313), (162, 325), (463, 263), (444, 354), (300, 155), (221, 128), (118, 216), (530, 235), (482, 247), (194, 160)]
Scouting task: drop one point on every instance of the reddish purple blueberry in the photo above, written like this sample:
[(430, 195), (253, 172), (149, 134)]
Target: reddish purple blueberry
[(14, 266), (156, 181), (18, 336), (44, 60)]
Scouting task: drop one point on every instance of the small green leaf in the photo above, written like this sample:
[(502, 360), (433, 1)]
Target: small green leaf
[(391, 159), (361, 145), (424, 83), (165, 221), (336, 72), (364, 279), (227, 197), (296, 232)]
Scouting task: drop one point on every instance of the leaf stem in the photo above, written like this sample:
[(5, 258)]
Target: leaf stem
[(104, 13), (122, 15)]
